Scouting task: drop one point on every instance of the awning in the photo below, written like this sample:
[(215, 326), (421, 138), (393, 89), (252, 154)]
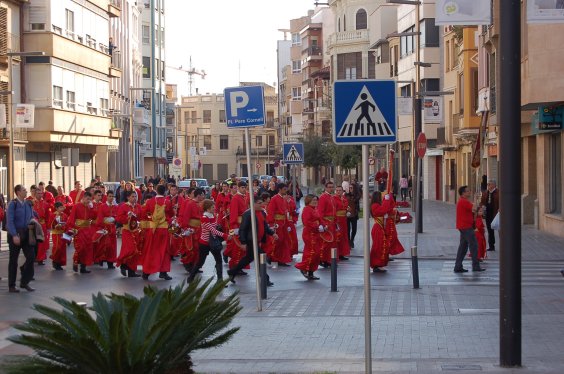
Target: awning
[(162, 161)]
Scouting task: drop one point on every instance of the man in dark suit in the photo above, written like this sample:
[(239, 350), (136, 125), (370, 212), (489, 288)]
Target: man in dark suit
[(490, 199)]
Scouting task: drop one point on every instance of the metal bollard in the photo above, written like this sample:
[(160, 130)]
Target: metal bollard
[(333, 269), (415, 267), (263, 286)]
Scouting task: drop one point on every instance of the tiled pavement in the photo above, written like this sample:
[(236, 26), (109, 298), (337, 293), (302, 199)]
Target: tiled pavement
[(451, 324)]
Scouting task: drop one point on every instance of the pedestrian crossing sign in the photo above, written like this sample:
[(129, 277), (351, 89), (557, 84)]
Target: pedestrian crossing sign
[(365, 111), (293, 153)]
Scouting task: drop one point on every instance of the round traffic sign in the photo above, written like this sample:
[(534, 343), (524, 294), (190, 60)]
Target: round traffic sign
[(177, 162), (421, 145), (371, 160), (258, 165)]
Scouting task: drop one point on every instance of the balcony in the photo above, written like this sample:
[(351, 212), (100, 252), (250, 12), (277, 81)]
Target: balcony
[(8, 43), (141, 117), (347, 38), (114, 8), (313, 53), (115, 65), (258, 151)]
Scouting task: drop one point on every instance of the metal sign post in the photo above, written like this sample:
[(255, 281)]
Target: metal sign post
[(244, 108), (365, 112)]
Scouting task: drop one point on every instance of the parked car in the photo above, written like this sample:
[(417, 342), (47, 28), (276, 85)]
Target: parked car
[(111, 186), (370, 183), (202, 183)]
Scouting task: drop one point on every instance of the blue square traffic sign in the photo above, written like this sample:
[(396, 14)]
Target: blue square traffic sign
[(293, 153), (244, 106), (364, 111)]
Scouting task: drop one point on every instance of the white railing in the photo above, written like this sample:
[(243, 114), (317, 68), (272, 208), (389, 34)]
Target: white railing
[(349, 37)]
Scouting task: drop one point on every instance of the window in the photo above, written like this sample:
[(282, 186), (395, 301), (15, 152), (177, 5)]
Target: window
[(162, 37), (186, 117), (58, 96), (296, 40), (350, 73), (361, 23), (344, 23), (104, 107), (194, 115), (71, 104), (221, 115), (461, 93), (69, 23), (90, 108), (146, 67), (447, 55), (474, 89), (429, 33), (339, 25), (37, 26), (554, 203), (207, 142), (296, 66), (405, 91), (223, 142), (207, 116), (258, 142), (296, 93), (407, 43), (349, 65), (146, 34)]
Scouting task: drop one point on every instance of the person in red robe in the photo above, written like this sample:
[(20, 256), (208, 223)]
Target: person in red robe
[(276, 217), (107, 248), (326, 210), (156, 257), (97, 230), (480, 231), (57, 224), (238, 205), (341, 231), (395, 247), (77, 194), (379, 251), (222, 206), (64, 199), (128, 215), (47, 196), (81, 218), (176, 202), (190, 219), (291, 222), (43, 210), (311, 237), (215, 191)]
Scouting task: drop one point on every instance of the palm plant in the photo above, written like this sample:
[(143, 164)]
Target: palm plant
[(126, 334)]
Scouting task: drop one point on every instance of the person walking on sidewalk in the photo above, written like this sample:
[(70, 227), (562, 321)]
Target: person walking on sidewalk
[(490, 199), (312, 240), (246, 237), (465, 211), (19, 214)]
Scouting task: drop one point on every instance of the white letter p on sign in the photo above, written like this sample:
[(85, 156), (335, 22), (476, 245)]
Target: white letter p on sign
[(238, 100)]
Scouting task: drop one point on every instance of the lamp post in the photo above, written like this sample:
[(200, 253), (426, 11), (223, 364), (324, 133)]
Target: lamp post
[(11, 55)]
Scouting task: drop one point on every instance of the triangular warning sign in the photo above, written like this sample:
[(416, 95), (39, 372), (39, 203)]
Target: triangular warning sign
[(365, 119), (293, 155)]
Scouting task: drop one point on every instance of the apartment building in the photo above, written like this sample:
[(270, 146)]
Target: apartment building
[(151, 151), (11, 80), (215, 151), (70, 88)]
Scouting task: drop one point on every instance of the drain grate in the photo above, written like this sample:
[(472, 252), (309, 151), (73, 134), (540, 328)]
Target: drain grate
[(478, 311), (460, 367)]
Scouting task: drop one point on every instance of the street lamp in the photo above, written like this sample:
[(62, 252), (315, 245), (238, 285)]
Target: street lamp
[(12, 115)]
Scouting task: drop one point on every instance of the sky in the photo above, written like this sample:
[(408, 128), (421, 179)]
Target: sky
[(231, 40)]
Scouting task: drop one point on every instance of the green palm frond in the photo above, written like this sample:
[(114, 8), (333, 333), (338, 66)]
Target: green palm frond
[(125, 334)]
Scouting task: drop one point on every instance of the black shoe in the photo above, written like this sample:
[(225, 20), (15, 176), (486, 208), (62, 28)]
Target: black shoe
[(461, 270), (200, 271), (283, 264), (311, 276), (343, 258), (101, 263), (172, 258), (351, 243), (225, 259), (164, 275), (27, 287), (75, 268), (123, 270), (13, 290), (269, 284), (40, 263), (231, 276), (478, 269), (390, 259), (132, 274), (241, 272), (324, 264), (57, 266), (491, 249), (145, 276), (187, 267), (268, 261), (304, 273), (83, 270), (111, 266), (376, 269)]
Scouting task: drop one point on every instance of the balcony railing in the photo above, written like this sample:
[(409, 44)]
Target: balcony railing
[(349, 37), (116, 59), (312, 51), (258, 151), (9, 44)]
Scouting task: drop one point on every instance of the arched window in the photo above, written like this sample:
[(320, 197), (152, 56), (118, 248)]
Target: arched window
[(339, 25), (344, 23), (361, 23)]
